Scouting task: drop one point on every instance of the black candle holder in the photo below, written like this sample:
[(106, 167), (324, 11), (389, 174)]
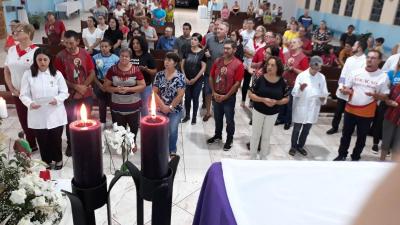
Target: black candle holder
[(84, 201), (159, 192)]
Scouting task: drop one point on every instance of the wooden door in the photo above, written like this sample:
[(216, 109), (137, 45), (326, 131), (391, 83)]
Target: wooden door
[(3, 28)]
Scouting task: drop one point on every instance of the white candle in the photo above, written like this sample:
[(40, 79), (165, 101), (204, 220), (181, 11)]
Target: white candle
[(3, 108)]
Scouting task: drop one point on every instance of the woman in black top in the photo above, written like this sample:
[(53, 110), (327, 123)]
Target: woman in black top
[(268, 93), (193, 66), (235, 36), (114, 35), (142, 58)]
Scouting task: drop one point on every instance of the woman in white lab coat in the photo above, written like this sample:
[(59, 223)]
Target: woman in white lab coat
[(43, 91), (309, 93)]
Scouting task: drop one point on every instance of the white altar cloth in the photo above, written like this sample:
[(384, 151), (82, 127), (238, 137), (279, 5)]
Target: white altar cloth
[(299, 192)]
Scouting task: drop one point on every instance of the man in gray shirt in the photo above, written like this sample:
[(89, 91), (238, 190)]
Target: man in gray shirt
[(183, 44), (214, 49)]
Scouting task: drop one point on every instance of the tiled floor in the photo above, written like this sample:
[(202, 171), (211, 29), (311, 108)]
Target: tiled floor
[(196, 155)]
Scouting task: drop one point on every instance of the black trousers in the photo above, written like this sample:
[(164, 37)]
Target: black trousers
[(50, 145), (132, 120), (245, 85), (300, 134), (352, 121), (341, 104), (376, 128)]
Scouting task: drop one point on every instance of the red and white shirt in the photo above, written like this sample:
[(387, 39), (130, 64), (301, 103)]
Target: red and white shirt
[(362, 82), (18, 61)]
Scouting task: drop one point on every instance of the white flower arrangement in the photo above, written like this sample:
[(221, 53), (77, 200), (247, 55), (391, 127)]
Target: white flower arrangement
[(25, 198), (119, 140)]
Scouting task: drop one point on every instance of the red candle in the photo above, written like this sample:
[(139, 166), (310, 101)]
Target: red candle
[(154, 144), (86, 150)]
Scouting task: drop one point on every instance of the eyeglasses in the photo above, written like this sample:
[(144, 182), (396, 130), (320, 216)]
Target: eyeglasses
[(18, 31)]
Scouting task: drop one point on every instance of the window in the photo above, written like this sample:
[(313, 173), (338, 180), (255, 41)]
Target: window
[(307, 4), (317, 5), (336, 7), (376, 10), (349, 8), (397, 16)]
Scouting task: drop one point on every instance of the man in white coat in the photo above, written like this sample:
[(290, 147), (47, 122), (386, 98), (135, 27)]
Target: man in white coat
[(309, 93), (357, 61)]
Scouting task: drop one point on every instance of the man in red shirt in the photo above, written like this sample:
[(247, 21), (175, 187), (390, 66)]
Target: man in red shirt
[(225, 77), (295, 62), (54, 29), (77, 67)]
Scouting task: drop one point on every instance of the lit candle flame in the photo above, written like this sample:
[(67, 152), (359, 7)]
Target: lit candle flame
[(153, 106), (83, 113)]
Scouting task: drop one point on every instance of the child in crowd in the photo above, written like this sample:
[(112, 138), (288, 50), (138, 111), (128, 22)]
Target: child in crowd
[(21, 145), (170, 14), (329, 57), (379, 44)]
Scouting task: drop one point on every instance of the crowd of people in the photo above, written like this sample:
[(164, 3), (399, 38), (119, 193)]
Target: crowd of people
[(280, 75)]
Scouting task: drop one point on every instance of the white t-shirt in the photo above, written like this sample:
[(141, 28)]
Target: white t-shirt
[(102, 30), (149, 33), (391, 63), (362, 81), (91, 38), (246, 35), (118, 13), (352, 63), (17, 65)]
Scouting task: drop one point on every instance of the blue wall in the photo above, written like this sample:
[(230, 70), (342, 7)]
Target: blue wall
[(338, 25), (32, 7), (10, 15)]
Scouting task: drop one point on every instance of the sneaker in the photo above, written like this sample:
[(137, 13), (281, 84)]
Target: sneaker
[(185, 119), (278, 122), (194, 121), (292, 151), (228, 144), (213, 140), (375, 149), (340, 158), (302, 151), (287, 126), (68, 151), (332, 131)]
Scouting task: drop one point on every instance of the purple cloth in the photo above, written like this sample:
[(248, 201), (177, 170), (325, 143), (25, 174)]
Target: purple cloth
[(213, 206)]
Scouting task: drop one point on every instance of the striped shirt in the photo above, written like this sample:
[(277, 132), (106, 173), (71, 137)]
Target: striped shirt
[(130, 102)]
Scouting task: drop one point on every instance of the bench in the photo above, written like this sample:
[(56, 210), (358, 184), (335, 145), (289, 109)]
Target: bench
[(332, 75), (158, 54)]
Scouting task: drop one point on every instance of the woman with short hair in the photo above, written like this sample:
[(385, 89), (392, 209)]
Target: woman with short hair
[(19, 59), (125, 82), (268, 93), (169, 89)]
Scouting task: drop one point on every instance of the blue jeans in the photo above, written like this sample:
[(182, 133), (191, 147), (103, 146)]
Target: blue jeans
[(226, 108), (174, 120), (285, 112), (192, 92), (145, 96), (72, 106)]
